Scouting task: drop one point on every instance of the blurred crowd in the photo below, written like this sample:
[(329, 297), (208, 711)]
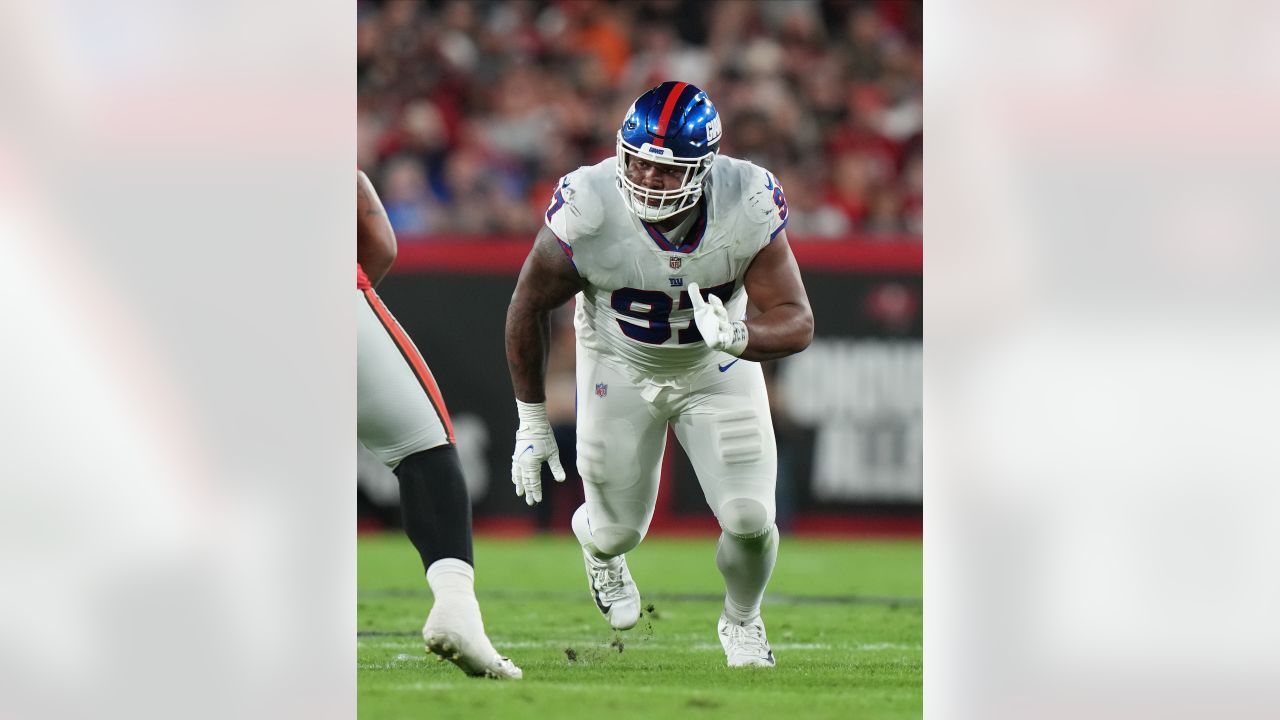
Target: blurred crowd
[(470, 110)]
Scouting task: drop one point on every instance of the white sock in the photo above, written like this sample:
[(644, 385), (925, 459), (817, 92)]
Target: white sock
[(456, 609), (746, 565), (452, 579)]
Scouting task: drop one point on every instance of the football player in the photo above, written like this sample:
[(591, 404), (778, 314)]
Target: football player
[(403, 421), (664, 244)]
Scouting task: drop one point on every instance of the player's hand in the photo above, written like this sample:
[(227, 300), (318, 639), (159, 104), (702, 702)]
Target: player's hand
[(535, 444), (713, 322)]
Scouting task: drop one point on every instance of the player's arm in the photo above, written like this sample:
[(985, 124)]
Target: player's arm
[(375, 240), (547, 281), (784, 325)]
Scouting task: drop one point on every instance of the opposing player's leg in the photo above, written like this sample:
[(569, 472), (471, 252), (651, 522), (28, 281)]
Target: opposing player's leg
[(726, 430), (620, 444), (402, 419)]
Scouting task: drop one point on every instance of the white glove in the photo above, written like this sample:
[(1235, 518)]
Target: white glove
[(535, 445), (713, 322)]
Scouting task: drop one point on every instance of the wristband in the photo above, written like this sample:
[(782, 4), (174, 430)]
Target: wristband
[(739, 343), (532, 413)]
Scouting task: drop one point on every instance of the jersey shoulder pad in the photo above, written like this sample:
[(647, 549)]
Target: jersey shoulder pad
[(576, 209), (757, 186), (763, 199)]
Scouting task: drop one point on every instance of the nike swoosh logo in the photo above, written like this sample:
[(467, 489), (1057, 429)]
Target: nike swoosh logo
[(595, 595), (522, 452), (726, 367)]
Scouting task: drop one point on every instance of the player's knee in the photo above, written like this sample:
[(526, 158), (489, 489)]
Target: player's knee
[(745, 518), (614, 541)]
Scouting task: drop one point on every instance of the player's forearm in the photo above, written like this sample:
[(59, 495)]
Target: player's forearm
[(778, 332), (528, 341)]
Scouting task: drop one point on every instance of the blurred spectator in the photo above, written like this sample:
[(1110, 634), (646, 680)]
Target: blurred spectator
[(884, 214), (810, 215), (850, 184), (469, 110), (406, 197), (912, 188)]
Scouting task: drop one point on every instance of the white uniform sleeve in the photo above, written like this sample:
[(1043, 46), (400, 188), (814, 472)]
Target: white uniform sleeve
[(574, 210), (765, 202)]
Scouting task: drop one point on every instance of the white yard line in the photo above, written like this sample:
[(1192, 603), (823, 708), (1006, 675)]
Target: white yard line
[(595, 643)]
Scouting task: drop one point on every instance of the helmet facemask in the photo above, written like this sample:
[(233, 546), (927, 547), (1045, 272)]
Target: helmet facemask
[(653, 205)]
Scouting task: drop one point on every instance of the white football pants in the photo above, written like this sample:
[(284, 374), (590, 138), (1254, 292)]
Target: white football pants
[(722, 420), (399, 408)]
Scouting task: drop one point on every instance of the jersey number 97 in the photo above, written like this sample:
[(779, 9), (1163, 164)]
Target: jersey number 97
[(653, 308)]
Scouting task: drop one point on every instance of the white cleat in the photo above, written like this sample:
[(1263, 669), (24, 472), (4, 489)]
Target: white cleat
[(613, 590), (457, 635), (745, 643)]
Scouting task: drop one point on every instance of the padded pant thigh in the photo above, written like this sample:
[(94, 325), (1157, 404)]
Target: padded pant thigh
[(727, 433), (396, 415), (620, 447), (610, 454)]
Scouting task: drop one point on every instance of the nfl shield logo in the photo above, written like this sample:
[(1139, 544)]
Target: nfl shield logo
[(602, 389), (675, 263)]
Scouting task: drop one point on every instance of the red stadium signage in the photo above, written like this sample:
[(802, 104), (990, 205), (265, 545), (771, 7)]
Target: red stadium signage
[(487, 255)]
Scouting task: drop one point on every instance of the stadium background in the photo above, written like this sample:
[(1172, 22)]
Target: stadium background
[(470, 111)]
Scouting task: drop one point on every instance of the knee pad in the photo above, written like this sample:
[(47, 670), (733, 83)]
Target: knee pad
[(745, 518), (614, 540)]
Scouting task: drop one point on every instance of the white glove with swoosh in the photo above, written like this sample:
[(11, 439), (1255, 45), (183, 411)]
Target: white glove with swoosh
[(535, 444), (718, 332)]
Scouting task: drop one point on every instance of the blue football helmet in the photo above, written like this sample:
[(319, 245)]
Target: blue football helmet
[(672, 124)]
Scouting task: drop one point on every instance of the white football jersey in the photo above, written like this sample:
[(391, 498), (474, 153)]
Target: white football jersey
[(635, 309)]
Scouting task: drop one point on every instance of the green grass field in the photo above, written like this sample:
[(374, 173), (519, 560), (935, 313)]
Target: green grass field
[(844, 620)]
